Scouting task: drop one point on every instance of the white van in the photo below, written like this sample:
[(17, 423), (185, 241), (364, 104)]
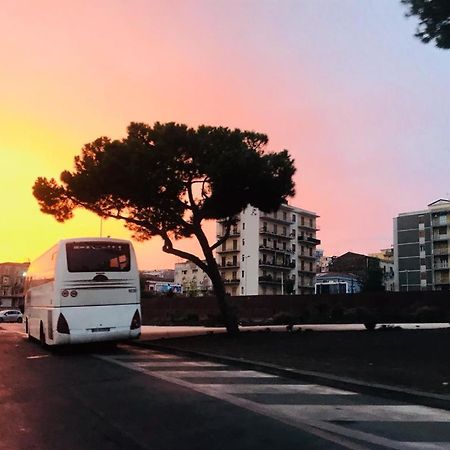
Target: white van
[(83, 290)]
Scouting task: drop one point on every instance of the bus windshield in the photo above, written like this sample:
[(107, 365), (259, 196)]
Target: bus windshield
[(98, 257)]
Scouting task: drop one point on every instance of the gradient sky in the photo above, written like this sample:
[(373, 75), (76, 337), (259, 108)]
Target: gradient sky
[(361, 104)]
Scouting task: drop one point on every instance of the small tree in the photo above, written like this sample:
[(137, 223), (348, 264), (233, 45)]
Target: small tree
[(434, 22), (167, 179)]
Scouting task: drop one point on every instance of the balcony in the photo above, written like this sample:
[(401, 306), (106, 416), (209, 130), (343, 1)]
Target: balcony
[(306, 256), (308, 240), (229, 265), (232, 281), (228, 250), (268, 279), (439, 222), (441, 251), (275, 249), (307, 271), (441, 266), (308, 227), (265, 216), (264, 230), (440, 237), (272, 265), (233, 233)]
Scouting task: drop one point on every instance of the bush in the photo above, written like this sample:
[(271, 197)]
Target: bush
[(283, 318), (428, 314)]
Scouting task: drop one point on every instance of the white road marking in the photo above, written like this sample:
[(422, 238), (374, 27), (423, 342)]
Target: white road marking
[(156, 364), (360, 413), (313, 419), (277, 389), (215, 373)]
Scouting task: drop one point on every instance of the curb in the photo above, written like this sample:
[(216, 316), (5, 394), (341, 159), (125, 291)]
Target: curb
[(381, 390)]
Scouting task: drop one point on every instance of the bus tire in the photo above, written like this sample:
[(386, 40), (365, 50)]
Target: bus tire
[(27, 330), (42, 335)]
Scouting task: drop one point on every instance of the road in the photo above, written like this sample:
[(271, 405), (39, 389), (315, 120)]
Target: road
[(124, 397)]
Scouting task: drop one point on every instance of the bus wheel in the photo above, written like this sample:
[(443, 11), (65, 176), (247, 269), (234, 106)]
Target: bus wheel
[(42, 335), (27, 330)]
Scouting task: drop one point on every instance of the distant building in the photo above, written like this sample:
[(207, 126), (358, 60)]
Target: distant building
[(192, 279), (269, 254), (322, 262), (337, 283), (366, 268), (422, 248), (12, 278), (386, 261)]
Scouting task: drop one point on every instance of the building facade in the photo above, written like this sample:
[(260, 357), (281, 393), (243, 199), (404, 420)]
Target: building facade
[(12, 278), (269, 254), (337, 283), (192, 279), (422, 248)]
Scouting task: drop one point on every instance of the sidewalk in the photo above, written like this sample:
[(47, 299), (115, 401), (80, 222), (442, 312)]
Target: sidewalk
[(414, 361)]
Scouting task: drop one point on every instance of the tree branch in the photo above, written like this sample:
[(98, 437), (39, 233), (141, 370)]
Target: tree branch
[(168, 248), (220, 241)]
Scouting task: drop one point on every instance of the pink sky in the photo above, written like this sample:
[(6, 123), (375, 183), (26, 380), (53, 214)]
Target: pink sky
[(361, 105)]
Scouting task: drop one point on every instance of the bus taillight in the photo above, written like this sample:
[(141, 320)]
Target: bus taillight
[(136, 321), (73, 293), (62, 326), (65, 293)]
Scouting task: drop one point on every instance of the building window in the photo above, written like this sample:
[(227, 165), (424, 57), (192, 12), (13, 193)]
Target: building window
[(284, 215), (243, 241), (293, 247), (294, 218), (224, 246), (242, 274), (243, 225), (234, 275), (302, 220), (234, 244)]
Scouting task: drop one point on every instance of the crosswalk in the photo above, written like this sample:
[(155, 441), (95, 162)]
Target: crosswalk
[(352, 420)]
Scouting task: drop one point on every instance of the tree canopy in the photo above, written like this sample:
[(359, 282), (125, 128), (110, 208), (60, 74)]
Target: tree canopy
[(434, 16), (164, 180)]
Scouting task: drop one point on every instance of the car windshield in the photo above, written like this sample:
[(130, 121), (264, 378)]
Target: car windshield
[(98, 257)]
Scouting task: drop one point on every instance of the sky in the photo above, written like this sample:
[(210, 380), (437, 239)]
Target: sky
[(361, 105)]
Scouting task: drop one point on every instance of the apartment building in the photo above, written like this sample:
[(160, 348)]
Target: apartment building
[(192, 279), (269, 254), (422, 248), (12, 278)]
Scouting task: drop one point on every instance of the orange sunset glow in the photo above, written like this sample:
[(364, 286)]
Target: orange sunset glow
[(348, 93)]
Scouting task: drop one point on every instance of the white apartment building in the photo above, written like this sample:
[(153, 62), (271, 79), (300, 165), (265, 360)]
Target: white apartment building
[(269, 254), (192, 279)]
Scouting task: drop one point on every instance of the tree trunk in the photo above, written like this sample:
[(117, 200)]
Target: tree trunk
[(229, 316)]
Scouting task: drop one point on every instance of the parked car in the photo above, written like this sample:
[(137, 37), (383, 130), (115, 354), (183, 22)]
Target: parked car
[(11, 315)]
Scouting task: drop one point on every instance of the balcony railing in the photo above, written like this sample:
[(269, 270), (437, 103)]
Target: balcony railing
[(440, 237), (306, 256), (441, 251), (232, 281), (270, 280), (229, 265), (265, 216), (276, 265), (440, 267), (275, 249), (233, 233), (308, 240), (264, 230), (228, 250)]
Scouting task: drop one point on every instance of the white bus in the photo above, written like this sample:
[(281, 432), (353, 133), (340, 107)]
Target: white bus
[(83, 290)]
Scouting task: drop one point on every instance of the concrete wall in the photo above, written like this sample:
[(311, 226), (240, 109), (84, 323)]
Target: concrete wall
[(415, 306)]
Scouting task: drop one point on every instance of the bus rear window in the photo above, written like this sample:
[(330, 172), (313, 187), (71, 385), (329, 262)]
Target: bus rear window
[(98, 257)]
